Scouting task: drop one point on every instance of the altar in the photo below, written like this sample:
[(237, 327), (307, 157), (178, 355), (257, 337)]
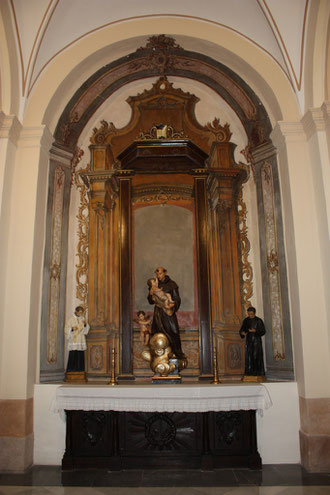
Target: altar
[(148, 426)]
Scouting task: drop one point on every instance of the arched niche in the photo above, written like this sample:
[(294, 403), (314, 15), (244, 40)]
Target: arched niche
[(108, 142)]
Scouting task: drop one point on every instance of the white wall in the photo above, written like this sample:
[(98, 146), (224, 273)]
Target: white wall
[(49, 428), (278, 429)]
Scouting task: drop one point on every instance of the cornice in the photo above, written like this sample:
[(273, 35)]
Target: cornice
[(313, 121), (263, 152), (326, 111), (287, 132), (10, 127), (60, 155), (32, 137)]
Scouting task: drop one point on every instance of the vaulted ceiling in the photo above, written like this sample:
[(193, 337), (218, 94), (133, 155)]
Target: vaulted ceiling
[(46, 28)]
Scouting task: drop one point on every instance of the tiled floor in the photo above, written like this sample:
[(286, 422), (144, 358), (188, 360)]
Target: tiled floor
[(282, 479)]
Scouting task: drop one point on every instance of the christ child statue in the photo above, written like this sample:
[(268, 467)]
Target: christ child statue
[(161, 299)]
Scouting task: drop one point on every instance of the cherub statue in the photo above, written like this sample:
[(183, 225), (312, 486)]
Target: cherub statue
[(145, 326), (158, 355)]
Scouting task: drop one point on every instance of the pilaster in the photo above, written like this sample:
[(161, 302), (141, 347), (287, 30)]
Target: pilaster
[(316, 124), (21, 309), (10, 129), (274, 276), (299, 160)]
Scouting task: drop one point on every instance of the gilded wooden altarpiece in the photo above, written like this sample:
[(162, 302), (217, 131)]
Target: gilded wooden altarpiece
[(211, 188)]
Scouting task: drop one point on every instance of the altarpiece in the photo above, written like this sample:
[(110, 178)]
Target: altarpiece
[(164, 157)]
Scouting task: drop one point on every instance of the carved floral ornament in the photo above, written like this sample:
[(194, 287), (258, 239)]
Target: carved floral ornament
[(247, 272), (161, 194), (161, 131), (161, 57), (83, 229), (272, 261)]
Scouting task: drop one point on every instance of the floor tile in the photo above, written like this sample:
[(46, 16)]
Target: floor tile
[(273, 476)]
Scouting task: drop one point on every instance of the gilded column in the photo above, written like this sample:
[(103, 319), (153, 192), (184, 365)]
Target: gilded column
[(101, 244), (223, 184)]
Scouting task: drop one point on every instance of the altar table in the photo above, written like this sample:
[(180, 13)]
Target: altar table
[(150, 426)]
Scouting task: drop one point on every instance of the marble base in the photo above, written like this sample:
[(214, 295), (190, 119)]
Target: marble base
[(16, 454), (315, 452), (315, 434)]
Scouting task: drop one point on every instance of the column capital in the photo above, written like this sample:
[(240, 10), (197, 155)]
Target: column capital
[(10, 127)]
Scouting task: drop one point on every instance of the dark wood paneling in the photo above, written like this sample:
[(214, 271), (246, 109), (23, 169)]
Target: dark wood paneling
[(203, 278), (125, 278), (127, 440)]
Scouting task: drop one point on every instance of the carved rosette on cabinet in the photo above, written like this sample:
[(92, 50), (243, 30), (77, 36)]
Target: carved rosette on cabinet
[(55, 264)]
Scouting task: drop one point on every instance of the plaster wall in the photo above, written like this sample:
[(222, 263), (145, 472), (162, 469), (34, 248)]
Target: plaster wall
[(278, 428)]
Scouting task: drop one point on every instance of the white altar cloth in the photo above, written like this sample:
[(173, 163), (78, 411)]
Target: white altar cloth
[(164, 398)]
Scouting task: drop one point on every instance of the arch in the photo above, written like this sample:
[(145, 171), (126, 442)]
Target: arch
[(162, 55), (327, 69), (261, 72), (317, 55), (9, 65)]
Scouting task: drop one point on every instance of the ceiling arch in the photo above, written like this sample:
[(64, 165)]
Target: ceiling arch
[(54, 25), (74, 66), (162, 55)]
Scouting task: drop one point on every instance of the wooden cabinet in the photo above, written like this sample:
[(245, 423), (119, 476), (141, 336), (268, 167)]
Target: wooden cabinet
[(140, 440)]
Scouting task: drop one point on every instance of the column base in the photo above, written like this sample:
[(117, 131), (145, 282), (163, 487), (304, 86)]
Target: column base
[(315, 452)]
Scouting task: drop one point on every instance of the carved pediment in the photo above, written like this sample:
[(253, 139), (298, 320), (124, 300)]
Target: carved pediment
[(162, 112)]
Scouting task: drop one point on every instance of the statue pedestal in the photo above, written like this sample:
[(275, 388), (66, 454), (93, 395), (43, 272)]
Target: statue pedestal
[(172, 377), (75, 377), (253, 379)]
